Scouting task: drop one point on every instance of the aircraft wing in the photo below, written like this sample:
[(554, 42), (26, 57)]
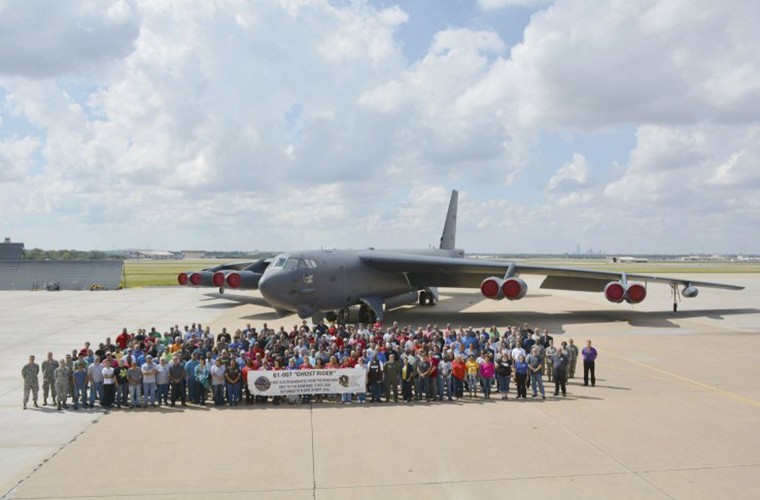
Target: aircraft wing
[(456, 272)]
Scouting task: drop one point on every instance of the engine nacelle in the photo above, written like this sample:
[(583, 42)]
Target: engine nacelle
[(491, 288), (184, 278), (219, 279), (617, 292), (404, 299), (243, 279), (614, 292), (690, 292), (201, 278), (514, 288), (635, 293)]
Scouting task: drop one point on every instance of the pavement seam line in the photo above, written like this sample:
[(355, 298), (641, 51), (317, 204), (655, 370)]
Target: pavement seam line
[(604, 452), (313, 457), (688, 381), (51, 457)]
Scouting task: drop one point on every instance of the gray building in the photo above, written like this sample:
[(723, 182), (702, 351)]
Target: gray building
[(66, 274), (11, 251)]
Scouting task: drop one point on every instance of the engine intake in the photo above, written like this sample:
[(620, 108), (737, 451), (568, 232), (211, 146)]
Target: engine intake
[(243, 279), (491, 288), (617, 292), (514, 288)]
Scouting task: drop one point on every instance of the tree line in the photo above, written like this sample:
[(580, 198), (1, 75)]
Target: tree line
[(39, 254)]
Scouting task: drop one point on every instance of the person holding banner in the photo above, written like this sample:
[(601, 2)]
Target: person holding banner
[(361, 396)]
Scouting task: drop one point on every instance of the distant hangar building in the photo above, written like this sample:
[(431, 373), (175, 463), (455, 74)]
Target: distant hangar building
[(19, 274)]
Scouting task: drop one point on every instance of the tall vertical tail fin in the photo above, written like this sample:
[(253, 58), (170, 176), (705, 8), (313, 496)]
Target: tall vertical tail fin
[(449, 236)]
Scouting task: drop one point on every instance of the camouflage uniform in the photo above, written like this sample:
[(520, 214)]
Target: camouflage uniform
[(48, 384), (61, 376), (549, 362), (30, 372)]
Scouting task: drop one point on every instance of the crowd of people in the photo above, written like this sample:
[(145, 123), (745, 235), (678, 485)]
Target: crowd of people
[(192, 365)]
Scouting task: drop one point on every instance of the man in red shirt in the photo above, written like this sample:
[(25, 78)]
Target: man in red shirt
[(457, 376), (122, 339)]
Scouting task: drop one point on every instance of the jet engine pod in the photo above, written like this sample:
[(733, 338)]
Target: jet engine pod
[(491, 288), (514, 288), (182, 278), (614, 292), (635, 293), (690, 292), (218, 279), (202, 278), (244, 279)]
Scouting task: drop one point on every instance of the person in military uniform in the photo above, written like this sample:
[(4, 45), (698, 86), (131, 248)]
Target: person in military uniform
[(48, 385), (61, 377), (572, 354), (30, 372), (391, 372)]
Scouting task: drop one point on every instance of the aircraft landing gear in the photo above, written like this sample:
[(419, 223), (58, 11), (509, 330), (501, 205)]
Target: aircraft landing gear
[(676, 297), (221, 289), (343, 316), (331, 316), (426, 298), (366, 315)]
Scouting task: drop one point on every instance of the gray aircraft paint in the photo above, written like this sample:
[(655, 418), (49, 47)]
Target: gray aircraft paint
[(312, 282)]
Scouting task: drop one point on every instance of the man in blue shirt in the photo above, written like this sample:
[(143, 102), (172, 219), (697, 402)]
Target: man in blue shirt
[(192, 383), (589, 363)]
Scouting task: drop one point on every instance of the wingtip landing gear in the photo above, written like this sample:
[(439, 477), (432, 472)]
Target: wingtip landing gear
[(676, 297)]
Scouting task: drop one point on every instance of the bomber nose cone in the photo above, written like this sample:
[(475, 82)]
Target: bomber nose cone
[(270, 287)]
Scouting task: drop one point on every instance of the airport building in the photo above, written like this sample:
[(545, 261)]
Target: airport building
[(19, 274), (11, 251)]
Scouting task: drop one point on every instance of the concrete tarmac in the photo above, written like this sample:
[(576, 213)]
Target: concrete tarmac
[(674, 413)]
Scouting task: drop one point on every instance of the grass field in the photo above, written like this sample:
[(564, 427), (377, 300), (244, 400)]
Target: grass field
[(138, 273)]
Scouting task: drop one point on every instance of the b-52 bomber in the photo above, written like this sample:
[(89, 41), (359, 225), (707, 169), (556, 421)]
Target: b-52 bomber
[(330, 283)]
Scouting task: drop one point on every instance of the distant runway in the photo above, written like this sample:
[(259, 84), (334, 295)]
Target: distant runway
[(674, 413)]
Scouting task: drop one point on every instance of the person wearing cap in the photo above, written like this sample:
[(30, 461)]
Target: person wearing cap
[(80, 384), (48, 382), (149, 372), (30, 373), (61, 378)]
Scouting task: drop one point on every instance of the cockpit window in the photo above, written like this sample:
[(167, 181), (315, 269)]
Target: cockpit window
[(311, 263), (280, 262), (291, 263)]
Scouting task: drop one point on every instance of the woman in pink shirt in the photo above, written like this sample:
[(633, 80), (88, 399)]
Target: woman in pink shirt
[(487, 371)]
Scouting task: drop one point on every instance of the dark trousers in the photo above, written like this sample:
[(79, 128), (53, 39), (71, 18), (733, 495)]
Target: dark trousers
[(560, 382), (458, 385), (108, 394), (406, 390), (522, 386), (588, 368), (178, 391), (391, 386), (377, 390)]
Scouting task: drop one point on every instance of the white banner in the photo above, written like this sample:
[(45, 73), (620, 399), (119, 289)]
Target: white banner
[(298, 382)]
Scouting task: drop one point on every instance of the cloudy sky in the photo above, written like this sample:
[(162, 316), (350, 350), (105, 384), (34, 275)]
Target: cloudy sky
[(623, 126)]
